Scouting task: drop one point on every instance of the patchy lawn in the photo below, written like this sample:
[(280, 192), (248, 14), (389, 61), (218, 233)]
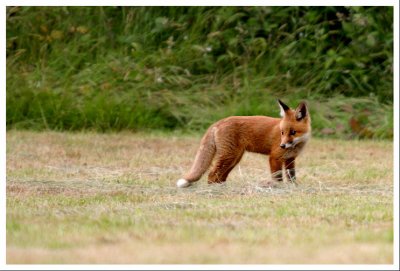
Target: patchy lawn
[(111, 198)]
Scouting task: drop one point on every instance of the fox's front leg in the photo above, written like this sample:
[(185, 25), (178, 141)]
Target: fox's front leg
[(276, 169), (290, 170)]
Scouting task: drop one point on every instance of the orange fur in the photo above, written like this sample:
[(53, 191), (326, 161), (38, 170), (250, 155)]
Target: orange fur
[(227, 140)]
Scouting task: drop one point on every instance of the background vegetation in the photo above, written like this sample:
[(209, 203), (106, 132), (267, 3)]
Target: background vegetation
[(140, 68)]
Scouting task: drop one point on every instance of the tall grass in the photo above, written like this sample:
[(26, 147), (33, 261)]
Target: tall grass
[(113, 68)]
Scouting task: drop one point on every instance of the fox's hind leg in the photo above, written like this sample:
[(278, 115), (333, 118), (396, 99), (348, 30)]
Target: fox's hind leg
[(223, 165)]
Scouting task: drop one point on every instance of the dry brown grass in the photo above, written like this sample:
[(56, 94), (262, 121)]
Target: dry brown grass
[(111, 198)]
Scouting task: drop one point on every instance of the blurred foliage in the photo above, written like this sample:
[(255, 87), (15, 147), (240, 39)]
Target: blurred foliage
[(113, 68)]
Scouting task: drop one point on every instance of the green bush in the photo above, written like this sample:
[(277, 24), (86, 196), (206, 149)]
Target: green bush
[(113, 68)]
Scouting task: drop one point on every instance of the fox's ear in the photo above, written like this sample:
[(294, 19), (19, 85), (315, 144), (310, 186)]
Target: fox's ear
[(283, 107), (301, 111)]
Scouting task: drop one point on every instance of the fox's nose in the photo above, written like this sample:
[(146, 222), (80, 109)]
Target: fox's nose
[(283, 146)]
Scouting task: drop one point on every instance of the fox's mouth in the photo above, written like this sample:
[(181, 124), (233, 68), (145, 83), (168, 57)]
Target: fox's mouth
[(301, 139), (287, 145)]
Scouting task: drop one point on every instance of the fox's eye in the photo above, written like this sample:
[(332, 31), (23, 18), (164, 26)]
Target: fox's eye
[(281, 132), (292, 132)]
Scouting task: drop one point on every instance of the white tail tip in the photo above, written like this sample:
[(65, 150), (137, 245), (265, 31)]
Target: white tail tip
[(182, 183)]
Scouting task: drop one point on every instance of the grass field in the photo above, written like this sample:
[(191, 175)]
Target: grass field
[(111, 198)]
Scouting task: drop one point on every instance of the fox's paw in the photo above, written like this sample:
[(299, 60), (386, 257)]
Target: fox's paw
[(181, 183)]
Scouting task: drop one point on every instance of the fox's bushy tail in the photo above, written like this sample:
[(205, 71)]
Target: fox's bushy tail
[(202, 161)]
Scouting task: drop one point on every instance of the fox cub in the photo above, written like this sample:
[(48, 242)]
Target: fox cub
[(226, 141)]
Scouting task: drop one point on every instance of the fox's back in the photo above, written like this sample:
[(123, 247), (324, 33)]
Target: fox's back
[(253, 133)]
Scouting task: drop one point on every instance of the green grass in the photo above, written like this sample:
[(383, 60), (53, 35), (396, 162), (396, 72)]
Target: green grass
[(145, 68), (111, 198)]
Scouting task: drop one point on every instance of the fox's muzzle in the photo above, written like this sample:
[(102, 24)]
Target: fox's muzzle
[(287, 145)]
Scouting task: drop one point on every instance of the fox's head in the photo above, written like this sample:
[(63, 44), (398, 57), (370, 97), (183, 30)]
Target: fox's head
[(295, 126)]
